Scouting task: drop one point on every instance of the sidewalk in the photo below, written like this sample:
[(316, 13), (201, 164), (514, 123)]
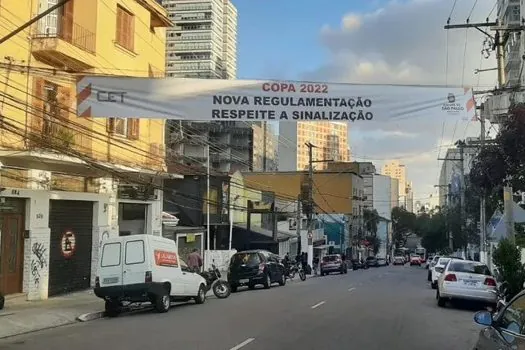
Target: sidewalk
[(20, 316)]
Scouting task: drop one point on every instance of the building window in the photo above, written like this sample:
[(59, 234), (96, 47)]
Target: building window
[(125, 28), (124, 127)]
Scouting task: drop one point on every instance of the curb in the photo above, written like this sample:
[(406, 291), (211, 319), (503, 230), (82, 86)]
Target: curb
[(91, 316)]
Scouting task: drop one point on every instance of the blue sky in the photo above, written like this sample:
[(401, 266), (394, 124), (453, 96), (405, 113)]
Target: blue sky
[(372, 41), (280, 39)]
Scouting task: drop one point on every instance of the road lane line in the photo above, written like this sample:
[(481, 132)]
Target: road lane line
[(318, 304), (243, 344), (351, 289)]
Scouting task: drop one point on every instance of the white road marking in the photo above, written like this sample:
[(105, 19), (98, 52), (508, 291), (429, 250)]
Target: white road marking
[(243, 344), (318, 304), (351, 289)]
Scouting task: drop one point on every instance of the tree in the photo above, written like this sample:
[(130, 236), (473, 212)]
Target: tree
[(371, 221), (508, 261), (403, 224), (374, 242), (435, 239)]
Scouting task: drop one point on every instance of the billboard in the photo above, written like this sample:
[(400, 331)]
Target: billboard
[(256, 100)]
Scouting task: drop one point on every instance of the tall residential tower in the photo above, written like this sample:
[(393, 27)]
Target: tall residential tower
[(330, 139)]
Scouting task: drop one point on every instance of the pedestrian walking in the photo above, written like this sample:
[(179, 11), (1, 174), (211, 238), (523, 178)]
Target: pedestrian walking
[(195, 261)]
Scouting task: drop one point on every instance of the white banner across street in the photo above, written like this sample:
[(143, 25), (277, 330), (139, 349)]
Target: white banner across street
[(252, 100)]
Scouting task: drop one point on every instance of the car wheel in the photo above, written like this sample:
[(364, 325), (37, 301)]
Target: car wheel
[(440, 300), (201, 295), (163, 302), (233, 288), (251, 286), (282, 281), (268, 281), (433, 285)]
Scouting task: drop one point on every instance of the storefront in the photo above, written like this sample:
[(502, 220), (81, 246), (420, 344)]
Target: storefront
[(70, 245), (139, 210), (12, 217)]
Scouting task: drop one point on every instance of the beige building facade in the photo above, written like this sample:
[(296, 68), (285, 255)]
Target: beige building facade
[(330, 139)]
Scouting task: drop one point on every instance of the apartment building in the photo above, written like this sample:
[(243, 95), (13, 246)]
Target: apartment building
[(67, 180), (330, 139), (397, 171), (450, 175), (203, 44)]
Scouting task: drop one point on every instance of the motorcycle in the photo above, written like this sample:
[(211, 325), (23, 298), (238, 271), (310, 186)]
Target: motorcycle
[(220, 287), (296, 268)]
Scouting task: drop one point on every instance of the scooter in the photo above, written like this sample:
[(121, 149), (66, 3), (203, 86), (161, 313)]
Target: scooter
[(220, 287)]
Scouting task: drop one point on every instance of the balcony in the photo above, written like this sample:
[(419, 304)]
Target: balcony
[(55, 136), (60, 46)]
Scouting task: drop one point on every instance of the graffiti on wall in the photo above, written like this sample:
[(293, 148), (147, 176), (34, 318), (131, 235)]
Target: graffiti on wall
[(103, 237), (38, 261)]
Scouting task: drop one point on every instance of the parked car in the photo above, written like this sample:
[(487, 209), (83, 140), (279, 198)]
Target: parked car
[(382, 262), (145, 268), (371, 261), (437, 270), (333, 263), (431, 264), (466, 280), (254, 267), (415, 260), (503, 330), (399, 260)]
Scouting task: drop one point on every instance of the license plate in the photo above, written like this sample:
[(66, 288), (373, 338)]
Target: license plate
[(110, 280), (470, 283), (244, 281)]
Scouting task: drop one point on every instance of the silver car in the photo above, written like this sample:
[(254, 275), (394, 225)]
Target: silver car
[(505, 329), (466, 280)]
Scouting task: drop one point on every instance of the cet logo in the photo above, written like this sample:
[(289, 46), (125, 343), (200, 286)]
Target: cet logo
[(68, 244), (451, 98)]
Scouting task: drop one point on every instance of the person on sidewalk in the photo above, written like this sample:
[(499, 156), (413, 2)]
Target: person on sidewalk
[(195, 261)]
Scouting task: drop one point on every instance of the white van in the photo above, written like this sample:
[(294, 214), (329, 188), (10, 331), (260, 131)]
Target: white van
[(145, 268)]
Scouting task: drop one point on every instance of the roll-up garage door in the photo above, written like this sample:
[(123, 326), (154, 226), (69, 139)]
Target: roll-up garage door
[(71, 224)]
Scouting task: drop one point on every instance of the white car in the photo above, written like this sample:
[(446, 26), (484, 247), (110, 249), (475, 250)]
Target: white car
[(431, 263), (466, 280), (145, 268), (437, 270)]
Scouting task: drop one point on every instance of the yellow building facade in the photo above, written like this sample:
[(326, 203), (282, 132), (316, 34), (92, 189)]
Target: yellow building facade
[(69, 181)]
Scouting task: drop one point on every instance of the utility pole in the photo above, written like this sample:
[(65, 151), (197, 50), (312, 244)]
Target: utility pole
[(208, 234), (264, 146), (309, 214), (310, 200), (463, 211), (482, 206), (298, 225), (508, 202)]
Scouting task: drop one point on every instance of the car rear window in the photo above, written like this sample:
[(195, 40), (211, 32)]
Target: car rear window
[(249, 259), (330, 258), (442, 261), (468, 267)]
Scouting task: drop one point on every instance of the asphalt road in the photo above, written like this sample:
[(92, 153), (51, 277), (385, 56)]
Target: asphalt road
[(382, 308)]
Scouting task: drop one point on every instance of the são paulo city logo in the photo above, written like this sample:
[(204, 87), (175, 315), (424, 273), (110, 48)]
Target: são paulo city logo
[(451, 106)]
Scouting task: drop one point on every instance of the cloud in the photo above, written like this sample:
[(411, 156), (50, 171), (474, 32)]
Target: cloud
[(404, 42)]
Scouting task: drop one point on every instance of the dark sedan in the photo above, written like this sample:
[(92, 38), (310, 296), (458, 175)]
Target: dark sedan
[(371, 261)]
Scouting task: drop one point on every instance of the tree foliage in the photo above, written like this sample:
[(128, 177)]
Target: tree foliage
[(507, 258), (403, 224), (371, 221)]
